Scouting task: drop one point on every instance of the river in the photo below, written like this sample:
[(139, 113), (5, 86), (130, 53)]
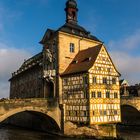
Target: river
[(14, 133)]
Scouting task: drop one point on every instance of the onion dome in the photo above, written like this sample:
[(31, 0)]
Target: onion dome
[(71, 4)]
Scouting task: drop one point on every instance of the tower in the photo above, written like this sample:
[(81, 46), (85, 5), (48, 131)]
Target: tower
[(71, 11)]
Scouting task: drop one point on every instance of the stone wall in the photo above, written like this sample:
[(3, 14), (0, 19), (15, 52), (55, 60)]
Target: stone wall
[(71, 129), (28, 84)]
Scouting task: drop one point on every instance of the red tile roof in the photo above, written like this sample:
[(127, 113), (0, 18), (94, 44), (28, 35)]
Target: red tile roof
[(83, 61)]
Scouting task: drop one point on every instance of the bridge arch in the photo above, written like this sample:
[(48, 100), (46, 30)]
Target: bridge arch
[(51, 114), (131, 105), (130, 114), (134, 102)]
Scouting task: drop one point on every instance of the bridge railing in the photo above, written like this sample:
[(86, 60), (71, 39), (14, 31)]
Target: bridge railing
[(50, 103), (130, 97)]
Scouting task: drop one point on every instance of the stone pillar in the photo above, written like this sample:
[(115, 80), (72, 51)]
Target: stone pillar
[(108, 130), (62, 108)]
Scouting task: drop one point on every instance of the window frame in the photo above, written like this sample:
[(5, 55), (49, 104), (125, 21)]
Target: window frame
[(107, 94), (93, 94), (104, 80), (115, 95), (72, 47), (94, 80), (99, 93), (114, 80)]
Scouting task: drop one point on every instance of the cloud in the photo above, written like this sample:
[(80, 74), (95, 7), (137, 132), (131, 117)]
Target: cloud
[(128, 43), (127, 65), (10, 60), (125, 55)]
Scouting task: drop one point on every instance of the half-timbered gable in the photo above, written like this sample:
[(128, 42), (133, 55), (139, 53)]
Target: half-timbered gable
[(104, 90)]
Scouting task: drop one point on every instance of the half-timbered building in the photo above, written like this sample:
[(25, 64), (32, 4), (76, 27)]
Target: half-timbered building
[(91, 88)]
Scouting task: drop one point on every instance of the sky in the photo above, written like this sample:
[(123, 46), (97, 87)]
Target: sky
[(24, 22)]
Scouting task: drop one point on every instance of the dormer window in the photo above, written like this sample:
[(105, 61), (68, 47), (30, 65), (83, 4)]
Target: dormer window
[(87, 59), (81, 33), (72, 47), (73, 31), (75, 62)]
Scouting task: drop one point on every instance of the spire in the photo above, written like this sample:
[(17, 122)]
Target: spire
[(71, 11)]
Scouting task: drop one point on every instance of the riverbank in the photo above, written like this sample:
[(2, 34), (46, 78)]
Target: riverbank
[(8, 132), (107, 131), (18, 133), (128, 132)]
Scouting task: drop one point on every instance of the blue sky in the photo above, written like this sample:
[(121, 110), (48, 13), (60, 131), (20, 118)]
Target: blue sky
[(24, 22)]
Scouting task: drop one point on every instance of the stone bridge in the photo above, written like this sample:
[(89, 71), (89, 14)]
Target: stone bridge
[(130, 111), (131, 101), (50, 108)]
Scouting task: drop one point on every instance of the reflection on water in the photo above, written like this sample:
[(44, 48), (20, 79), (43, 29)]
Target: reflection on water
[(129, 132), (13, 133)]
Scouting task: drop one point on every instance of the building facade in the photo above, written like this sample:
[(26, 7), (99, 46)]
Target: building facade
[(127, 90), (75, 68)]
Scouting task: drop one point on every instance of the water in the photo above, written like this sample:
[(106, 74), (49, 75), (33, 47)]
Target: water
[(13, 133), (129, 132), (16, 133)]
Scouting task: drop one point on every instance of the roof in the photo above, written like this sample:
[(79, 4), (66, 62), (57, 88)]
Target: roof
[(36, 58), (78, 30), (70, 28), (47, 35), (123, 82), (83, 61), (33, 61), (71, 3)]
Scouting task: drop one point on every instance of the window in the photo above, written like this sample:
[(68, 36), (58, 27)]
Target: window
[(83, 113), (85, 94), (104, 80), (99, 68), (115, 95), (68, 113), (99, 94), (74, 113), (65, 81), (115, 112), (101, 112), (65, 95), (107, 94), (72, 47), (74, 62), (93, 94), (85, 80), (113, 80), (94, 80), (87, 59), (109, 69), (105, 113)]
